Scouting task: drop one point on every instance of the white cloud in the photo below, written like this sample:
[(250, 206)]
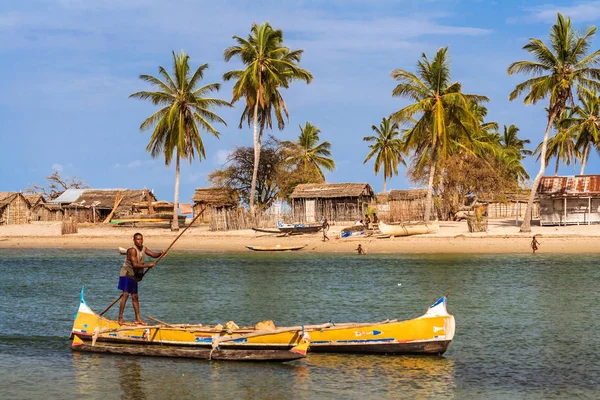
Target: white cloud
[(221, 156), (57, 167), (581, 12), (135, 164)]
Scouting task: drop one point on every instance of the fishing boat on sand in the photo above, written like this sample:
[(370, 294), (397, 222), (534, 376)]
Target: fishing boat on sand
[(299, 228), (276, 248), (355, 230), (409, 228), (94, 333), (430, 334)]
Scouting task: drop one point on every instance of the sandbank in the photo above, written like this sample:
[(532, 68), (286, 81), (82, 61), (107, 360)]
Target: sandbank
[(503, 236)]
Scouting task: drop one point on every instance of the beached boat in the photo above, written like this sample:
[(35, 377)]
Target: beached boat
[(94, 333), (276, 248), (299, 228), (147, 220), (409, 228), (355, 230), (430, 333)]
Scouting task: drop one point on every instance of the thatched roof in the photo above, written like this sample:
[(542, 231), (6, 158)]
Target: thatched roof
[(7, 197), (331, 190), (412, 194), (216, 197), (34, 198), (105, 198), (382, 198), (48, 206)]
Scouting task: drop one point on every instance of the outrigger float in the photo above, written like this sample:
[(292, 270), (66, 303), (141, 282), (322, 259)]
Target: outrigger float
[(430, 333)]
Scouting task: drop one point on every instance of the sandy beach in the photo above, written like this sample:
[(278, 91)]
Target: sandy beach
[(502, 237)]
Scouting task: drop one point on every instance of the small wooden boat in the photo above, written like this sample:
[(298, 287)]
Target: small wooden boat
[(94, 333), (409, 228), (122, 250), (276, 248), (262, 230), (299, 228), (146, 219)]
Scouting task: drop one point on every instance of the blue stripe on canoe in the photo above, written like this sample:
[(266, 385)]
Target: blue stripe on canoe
[(387, 340)]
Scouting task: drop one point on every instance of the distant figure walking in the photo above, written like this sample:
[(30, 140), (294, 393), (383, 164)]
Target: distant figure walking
[(534, 244), (325, 229), (360, 250), (367, 221)]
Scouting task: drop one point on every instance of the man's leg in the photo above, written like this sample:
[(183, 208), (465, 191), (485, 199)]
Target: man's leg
[(122, 307), (136, 309)]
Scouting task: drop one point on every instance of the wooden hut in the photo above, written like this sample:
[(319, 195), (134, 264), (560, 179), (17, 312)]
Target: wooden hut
[(47, 212), (94, 205), (407, 205), (510, 205), (14, 208), (569, 199), (220, 207), (336, 201)]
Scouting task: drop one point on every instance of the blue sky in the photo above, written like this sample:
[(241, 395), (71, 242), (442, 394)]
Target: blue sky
[(68, 67)]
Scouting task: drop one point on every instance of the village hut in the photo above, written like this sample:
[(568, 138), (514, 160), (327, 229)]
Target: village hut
[(337, 202), (407, 205), (34, 199), (95, 205), (47, 212), (219, 207), (569, 200), (14, 209), (509, 205)]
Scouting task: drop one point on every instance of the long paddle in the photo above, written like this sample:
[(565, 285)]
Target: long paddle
[(163, 255)]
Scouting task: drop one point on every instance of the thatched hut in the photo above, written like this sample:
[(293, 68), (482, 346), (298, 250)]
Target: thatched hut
[(510, 205), (335, 201), (569, 199), (14, 208), (47, 212), (34, 199), (94, 205), (407, 205), (219, 207)]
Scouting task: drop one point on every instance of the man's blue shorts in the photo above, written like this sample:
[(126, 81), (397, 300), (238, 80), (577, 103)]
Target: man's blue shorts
[(128, 285)]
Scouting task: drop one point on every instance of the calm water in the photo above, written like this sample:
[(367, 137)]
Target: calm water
[(527, 326)]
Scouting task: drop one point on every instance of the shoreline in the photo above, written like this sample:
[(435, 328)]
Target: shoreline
[(503, 237)]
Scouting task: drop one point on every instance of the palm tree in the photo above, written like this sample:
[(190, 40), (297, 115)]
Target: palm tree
[(584, 122), (444, 113), (269, 67), (309, 154), (557, 68), (562, 146), (184, 110), (388, 147)]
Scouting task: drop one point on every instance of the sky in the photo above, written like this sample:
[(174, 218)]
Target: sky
[(67, 68)]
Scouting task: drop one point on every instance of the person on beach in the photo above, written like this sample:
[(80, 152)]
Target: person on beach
[(534, 244), (325, 229), (131, 273), (367, 221), (360, 250)]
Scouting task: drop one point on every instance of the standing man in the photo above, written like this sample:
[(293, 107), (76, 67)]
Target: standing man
[(131, 273), (325, 229)]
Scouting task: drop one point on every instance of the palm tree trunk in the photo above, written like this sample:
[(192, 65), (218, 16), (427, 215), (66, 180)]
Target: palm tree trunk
[(584, 157), (175, 221), (526, 225), (384, 182), (256, 156), (429, 198), (556, 169)]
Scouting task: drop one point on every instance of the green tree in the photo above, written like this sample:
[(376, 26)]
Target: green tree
[(387, 147), (562, 144), (184, 112), (442, 112), (584, 122), (269, 67), (310, 155), (557, 69)]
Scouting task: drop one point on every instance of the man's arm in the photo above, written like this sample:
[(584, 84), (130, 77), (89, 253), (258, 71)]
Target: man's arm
[(132, 257), (153, 254)]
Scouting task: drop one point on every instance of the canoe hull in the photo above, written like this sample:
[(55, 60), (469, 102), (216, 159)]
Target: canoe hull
[(299, 228), (154, 350), (275, 248), (408, 229), (437, 347)]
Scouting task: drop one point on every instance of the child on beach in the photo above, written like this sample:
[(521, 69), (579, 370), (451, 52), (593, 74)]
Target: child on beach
[(360, 250), (534, 244)]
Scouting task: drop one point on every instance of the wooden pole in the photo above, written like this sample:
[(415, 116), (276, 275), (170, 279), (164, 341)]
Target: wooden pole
[(163, 255)]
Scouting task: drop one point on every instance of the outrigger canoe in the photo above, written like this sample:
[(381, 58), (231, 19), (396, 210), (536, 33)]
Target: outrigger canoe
[(94, 333), (276, 248), (299, 228), (409, 228), (430, 333)]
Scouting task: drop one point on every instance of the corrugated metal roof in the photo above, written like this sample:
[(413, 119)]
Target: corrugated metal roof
[(68, 196), (569, 186)]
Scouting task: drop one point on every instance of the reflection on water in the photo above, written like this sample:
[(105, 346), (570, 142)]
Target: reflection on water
[(131, 379)]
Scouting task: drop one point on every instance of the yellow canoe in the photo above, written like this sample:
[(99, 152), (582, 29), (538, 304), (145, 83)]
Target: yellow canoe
[(430, 333)]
